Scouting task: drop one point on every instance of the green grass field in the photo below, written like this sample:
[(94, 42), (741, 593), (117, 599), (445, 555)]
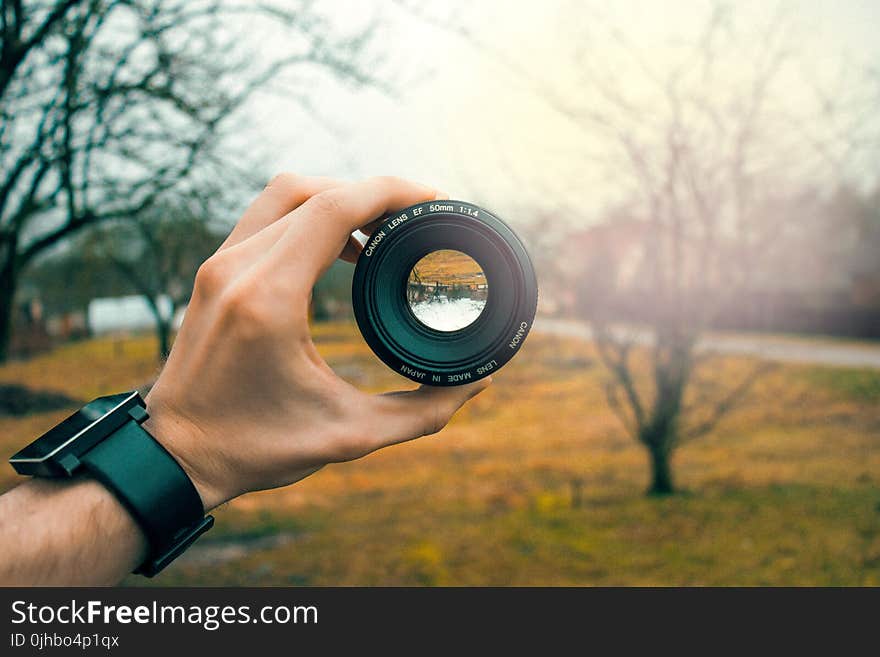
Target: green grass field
[(535, 483)]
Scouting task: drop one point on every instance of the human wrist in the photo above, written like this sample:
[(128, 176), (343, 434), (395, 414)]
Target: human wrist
[(185, 441)]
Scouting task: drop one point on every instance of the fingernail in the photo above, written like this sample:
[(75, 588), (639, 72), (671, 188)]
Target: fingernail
[(440, 196)]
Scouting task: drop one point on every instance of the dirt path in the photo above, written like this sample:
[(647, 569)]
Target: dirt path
[(792, 349)]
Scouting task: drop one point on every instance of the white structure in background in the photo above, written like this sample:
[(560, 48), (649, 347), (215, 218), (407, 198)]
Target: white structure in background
[(131, 313)]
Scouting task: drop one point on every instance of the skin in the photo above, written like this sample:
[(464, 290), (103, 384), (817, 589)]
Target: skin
[(244, 402)]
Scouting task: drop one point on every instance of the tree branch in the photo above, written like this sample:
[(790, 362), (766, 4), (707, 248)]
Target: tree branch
[(14, 51), (615, 356), (723, 406)]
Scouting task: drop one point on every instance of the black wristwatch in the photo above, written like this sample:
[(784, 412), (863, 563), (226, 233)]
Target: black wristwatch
[(106, 440)]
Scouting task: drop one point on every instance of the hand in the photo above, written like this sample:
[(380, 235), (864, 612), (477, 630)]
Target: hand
[(245, 402)]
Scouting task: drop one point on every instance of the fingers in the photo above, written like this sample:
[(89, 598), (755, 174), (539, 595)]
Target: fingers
[(318, 230), (353, 247), (403, 416), (373, 225), (284, 193)]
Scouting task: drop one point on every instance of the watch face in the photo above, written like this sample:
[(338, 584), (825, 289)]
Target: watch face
[(75, 428)]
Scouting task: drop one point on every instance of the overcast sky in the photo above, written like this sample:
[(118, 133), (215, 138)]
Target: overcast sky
[(470, 120)]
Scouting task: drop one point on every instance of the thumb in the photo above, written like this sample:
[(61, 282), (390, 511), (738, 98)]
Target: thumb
[(410, 414)]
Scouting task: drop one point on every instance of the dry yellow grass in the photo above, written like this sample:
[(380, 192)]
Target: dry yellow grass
[(448, 267), (535, 483)]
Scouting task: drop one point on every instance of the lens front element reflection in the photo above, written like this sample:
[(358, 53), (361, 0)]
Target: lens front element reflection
[(447, 290)]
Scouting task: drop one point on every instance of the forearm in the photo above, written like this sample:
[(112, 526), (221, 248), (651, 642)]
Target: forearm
[(66, 532)]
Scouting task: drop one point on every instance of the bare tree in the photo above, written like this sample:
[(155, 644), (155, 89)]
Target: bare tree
[(696, 135), (158, 254), (109, 105), (709, 153), (699, 167)]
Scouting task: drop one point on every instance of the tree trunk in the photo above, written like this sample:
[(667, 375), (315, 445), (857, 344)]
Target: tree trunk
[(163, 326), (8, 276), (163, 332), (661, 472)]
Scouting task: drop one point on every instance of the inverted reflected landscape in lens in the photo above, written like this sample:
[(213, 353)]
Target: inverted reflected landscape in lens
[(444, 292), (447, 290)]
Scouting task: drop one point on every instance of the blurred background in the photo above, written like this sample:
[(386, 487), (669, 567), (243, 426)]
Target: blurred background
[(699, 401)]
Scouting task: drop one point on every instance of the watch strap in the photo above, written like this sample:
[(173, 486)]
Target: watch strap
[(150, 483)]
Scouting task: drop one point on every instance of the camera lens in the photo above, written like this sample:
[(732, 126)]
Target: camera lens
[(447, 290), (444, 292)]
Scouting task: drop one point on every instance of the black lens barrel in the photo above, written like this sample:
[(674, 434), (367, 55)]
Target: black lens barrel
[(411, 348)]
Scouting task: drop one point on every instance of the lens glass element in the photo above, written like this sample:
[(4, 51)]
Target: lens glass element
[(447, 290)]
